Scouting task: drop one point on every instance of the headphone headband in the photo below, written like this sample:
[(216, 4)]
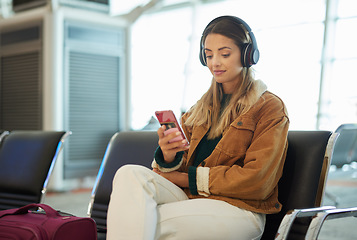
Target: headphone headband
[(249, 51)]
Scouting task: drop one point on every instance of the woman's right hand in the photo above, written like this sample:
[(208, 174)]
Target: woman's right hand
[(168, 149)]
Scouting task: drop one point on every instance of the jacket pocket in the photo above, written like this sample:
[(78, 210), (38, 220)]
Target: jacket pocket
[(237, 139)]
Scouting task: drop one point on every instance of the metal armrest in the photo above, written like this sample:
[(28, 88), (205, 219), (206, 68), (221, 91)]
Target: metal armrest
[(2, 135), (53, 162), (317, 222), (290, 217), (100, 174)]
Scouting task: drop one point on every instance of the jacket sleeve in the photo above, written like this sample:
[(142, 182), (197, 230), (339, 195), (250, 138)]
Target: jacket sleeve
[(256, 173), (160, 163)]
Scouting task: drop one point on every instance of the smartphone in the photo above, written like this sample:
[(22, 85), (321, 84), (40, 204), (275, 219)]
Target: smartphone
[(167, 118)]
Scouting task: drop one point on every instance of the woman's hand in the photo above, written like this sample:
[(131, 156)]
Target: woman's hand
[(169, 150), (178, 178)]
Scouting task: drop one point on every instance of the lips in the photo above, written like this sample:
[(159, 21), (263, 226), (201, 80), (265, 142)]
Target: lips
[(218, 72)]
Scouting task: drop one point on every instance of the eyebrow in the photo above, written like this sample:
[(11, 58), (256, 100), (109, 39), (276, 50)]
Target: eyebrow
[(219, 49)]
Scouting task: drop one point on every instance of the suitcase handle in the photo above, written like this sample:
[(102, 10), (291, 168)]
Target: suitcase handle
[(50, 212)]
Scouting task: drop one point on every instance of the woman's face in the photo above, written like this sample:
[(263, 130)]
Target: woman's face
[(223, 58)]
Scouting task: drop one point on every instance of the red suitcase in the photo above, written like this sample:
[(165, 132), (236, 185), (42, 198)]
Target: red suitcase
[(22, 224)]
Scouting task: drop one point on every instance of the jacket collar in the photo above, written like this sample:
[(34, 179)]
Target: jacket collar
[(257, 90)]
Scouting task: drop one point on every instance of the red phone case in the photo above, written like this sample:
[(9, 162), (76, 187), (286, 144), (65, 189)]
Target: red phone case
[(167, 118)]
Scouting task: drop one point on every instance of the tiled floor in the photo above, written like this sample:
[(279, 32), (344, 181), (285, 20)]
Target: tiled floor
[(74, 202), (341, 183)]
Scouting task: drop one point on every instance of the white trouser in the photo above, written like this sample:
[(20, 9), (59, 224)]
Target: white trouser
[(144, 205)]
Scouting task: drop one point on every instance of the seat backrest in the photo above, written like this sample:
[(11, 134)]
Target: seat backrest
[(132, 147), (301, 185), (346, 145), (304, 177), (26, 161)]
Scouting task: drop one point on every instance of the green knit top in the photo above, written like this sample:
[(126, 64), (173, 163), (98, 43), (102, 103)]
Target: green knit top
[(204, 149)]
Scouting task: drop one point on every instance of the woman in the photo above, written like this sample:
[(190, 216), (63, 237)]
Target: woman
[(223, 183)]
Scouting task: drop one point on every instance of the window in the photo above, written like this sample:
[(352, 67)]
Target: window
[(341, 99), (290, 36), (160, 48)]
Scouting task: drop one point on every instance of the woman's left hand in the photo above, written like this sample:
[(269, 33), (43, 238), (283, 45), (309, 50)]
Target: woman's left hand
[(178, 178)]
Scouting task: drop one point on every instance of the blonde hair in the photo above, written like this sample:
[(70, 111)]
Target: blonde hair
[(207, 109)]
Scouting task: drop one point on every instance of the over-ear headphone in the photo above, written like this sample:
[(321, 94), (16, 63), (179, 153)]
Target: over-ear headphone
[(249, 51)]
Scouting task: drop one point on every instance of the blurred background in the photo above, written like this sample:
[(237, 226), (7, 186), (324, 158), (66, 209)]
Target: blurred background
[(95, 67)]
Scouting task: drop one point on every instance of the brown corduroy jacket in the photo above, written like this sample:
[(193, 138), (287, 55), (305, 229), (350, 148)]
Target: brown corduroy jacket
[(247, 163)]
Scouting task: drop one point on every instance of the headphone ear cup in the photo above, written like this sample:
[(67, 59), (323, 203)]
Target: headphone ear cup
[(250, 55), (203, 57), (202, 54)]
